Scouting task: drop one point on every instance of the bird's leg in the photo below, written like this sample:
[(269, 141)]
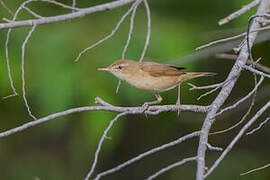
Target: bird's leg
[(146, 104), (178, 99)]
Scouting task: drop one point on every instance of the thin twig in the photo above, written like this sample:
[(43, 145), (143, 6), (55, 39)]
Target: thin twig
[(215, 86), (101, 142), (259, 127), (208, 92), (194, 87), (234, 57), (171, 166), (5, 7), (238, 13), (257, 169), (73, 8), (230, 38), (32, 13), (22, 69), (220, 41), (245, 115), (110, 35), (130, 28), (73, 4), (237, 137), (213, 148), (242, 99), (148, 29), (147, 153), (101, 102), (255, 71)]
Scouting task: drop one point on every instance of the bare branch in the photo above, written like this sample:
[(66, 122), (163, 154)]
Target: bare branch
[(148, 29), (22, 69), (111, 34), (81, 13), (130, 29), (8, 37), (194, 87), (246, 114), (238, 13), (147, 153), (213, 148), (101, 142), (73, 8), (234, 57), (231, 38), (259, 127), (208, 92), (255, 71), (215, 86), (242, 99), (224, 93), (257, 169), (220, 41), (136, 110), (73, 4), (171, 166), (101, 102), (237, 137), (32, 13), (5, 7), (249, 44)]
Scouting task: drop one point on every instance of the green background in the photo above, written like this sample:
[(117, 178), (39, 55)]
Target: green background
[(64, 148)]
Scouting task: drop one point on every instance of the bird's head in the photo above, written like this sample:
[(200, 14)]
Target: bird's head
[(121, 68)]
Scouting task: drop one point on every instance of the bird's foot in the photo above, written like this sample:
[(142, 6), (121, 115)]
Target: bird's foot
[(145, 106), (178, 108)]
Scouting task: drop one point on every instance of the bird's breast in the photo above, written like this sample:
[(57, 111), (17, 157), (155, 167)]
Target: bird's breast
[(146, 82)]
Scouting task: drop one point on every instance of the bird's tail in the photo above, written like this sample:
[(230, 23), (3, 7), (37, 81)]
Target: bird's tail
[(191, 75)]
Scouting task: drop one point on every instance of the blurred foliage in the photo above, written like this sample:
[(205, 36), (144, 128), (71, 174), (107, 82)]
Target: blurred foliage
[(64, 148)]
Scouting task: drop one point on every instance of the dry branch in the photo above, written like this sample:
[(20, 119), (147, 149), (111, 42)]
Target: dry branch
[(147, 153), (81, 13), (5, 7), (237, 137), (148, 29), (238, 13), (171, 166), (152, 110), (22, 69), (224, 93), (234, 57), (254, 170)]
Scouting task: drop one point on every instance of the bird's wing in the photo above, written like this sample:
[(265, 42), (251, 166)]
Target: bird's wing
[(156, 69)]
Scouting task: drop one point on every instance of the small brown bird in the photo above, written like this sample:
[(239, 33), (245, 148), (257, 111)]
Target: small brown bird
[(152, 77)]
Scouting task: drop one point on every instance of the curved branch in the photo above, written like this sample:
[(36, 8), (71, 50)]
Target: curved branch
[(147, 153), (224, 93), (81, 13), (152, 110), (237, 137)]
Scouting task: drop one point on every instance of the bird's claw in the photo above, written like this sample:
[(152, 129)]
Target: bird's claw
[(145, 106), (178, 109)]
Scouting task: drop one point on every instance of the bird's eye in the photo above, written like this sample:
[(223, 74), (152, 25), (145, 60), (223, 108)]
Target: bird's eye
[(120, 67)]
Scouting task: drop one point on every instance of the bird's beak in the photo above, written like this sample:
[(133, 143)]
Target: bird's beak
[(104, 69)]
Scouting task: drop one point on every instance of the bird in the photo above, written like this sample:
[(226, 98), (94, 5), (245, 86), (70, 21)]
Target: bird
[(152, 77)]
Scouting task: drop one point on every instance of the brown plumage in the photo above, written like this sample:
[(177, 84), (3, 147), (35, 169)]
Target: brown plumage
[(151, 76)]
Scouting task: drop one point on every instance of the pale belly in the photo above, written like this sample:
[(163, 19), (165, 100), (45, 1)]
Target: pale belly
[(154, 84)]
